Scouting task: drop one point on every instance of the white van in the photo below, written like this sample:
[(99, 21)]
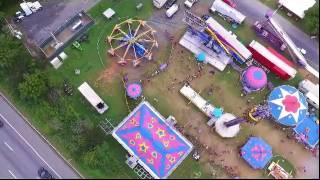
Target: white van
[(172, 10), (24, 6), (189, 3), (34, 6)]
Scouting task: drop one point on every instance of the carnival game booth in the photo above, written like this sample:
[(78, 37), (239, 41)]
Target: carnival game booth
[(149, 139), (287, 105), (253, 79), (256, 152), (307, 131)]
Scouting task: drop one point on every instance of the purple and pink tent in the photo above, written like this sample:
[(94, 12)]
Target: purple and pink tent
[(144, 133), (254, 78), (134, 90)]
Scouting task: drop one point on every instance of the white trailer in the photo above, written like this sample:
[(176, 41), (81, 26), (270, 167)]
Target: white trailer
[(93, 98), (197, 100), (226, 10), (172, 10), (311, 91), (26, 9), (159, 3)]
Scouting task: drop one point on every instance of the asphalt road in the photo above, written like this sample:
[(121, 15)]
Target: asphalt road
[(23, 151), (255, 10)]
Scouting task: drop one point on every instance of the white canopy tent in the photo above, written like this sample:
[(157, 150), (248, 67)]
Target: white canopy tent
[(298, 7)]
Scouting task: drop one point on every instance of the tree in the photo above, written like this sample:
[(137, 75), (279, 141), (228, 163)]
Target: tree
[(34, 86), (9, 51), (312, 19)]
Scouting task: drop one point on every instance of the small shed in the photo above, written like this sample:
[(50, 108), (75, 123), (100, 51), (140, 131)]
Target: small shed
[(56, 63), (108, 13)]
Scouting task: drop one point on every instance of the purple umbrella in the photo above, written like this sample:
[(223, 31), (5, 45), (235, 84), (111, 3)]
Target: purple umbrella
[(163, 66), (134, 90)]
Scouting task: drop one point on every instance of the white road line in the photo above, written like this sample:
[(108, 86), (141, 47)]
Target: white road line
[(30, 146), (9, 147), (15, 177)]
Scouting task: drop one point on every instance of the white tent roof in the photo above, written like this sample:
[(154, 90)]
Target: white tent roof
[(56, 63), (298, 7), (63, 55), (224, 131), (108, 13)]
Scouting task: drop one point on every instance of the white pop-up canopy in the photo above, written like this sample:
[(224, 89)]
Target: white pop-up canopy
[(298, 7)]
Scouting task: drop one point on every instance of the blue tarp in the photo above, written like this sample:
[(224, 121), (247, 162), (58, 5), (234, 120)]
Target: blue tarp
[(256, 152), (308, 130)]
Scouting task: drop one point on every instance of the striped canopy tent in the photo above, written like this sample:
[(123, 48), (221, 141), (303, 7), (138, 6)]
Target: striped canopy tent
[(288, 106), (256, 152)]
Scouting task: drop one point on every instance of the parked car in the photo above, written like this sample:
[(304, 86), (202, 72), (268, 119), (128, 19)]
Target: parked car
[(172, 10), (35, 6), (1, 124), (44, 174), (18, 17), (169, 3), (189, 3)]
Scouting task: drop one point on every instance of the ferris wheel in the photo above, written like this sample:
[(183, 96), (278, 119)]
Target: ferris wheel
[(132, 41)]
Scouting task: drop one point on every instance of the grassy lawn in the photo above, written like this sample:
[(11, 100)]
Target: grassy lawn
[(299, 23)]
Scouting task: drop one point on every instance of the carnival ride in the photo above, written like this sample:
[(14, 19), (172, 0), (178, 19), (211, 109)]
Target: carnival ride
[(271, 30), (199, 27), (253, 79), (134, 90), (132, 40)]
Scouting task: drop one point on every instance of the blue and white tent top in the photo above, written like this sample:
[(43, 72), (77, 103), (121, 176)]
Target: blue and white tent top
[(288, 105)]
